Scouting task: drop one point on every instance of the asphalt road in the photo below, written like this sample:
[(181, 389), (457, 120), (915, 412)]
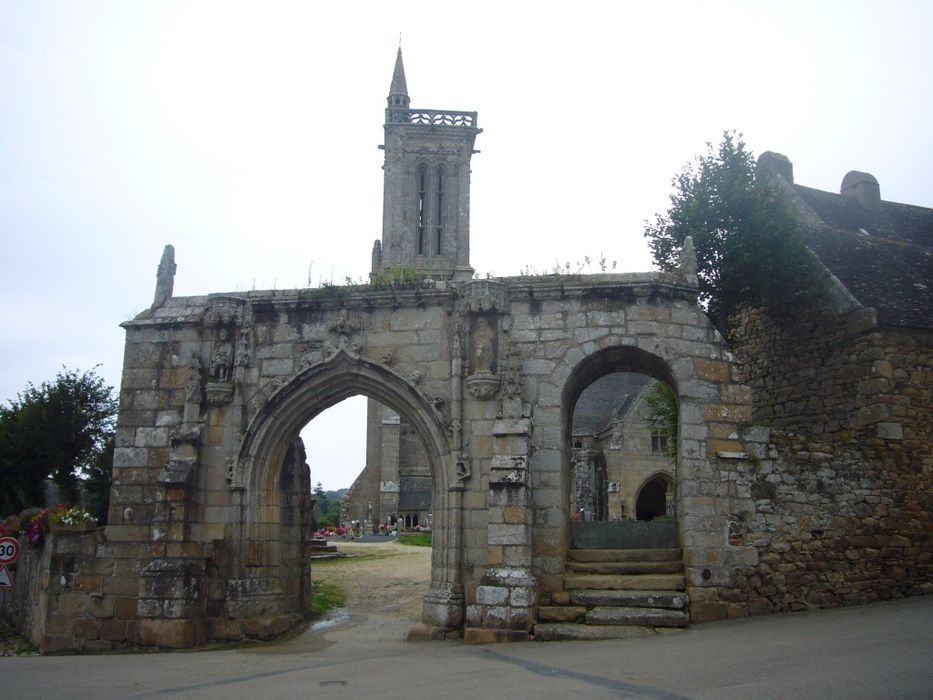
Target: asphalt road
[(883, 650)]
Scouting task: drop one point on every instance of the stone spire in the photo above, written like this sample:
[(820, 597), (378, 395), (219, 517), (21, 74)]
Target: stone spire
[(398, 91), (426, 205)]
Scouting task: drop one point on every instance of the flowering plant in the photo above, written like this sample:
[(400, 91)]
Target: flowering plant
[(76, 515), (35, 523)]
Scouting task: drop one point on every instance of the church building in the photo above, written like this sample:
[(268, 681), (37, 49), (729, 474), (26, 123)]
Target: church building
[(425, 232)]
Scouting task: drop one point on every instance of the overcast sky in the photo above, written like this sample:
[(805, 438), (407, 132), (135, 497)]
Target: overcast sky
[(246, 135)]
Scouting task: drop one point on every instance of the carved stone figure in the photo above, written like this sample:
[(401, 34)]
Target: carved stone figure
[(221, 357), (464, 471), (482, 347), (688, 260)]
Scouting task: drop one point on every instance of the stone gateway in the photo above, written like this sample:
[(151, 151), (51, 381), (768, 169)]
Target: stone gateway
[(208, 536)]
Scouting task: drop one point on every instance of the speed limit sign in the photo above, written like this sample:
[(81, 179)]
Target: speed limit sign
[(9, 550)]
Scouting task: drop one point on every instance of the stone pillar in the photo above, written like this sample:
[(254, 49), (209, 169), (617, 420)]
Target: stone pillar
[(505, 600), (171, 607), (442, 610)]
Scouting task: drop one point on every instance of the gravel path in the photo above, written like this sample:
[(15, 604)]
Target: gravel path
[(385, 585)]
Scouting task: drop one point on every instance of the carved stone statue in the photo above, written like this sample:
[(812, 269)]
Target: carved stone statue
[(482, 347), (221, 359), (688, 260)]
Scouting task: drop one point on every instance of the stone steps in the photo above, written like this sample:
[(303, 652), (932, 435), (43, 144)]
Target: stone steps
[(640, 599), (616, 594), (635, 582), (648, 617), (628, 555), (626, 567)]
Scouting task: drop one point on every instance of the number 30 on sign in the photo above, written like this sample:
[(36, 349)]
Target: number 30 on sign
[(9, 550)]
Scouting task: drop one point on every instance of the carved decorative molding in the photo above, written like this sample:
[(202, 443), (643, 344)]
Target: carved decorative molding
[(225, 310), (219, 393), (483, 385), (479, 296), (345, 328), (431, 117)]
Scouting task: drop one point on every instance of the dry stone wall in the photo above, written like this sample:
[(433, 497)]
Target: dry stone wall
[(843, 512)]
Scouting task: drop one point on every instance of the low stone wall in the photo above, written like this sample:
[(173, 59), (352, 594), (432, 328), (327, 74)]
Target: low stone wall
[(56, 601), (829, 525), (24, 604), (836, 526)]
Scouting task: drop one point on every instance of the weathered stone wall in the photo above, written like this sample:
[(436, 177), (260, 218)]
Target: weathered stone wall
[(841, 489), (59, 600), (208, 528), (843, 378), (571, 334)]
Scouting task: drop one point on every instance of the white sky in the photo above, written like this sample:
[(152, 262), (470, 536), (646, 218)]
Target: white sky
[(245, 134)]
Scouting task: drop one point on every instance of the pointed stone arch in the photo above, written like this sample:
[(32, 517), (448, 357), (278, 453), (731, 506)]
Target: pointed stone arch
[(654, 478), (259, 572)]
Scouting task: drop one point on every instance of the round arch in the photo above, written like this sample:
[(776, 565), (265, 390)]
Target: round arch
[(607, 360)]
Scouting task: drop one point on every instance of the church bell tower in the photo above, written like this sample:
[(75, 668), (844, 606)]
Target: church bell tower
[(426, 200)]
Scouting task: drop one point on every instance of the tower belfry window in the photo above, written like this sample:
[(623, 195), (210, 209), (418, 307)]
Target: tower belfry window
[(422, 208), (439, 213)]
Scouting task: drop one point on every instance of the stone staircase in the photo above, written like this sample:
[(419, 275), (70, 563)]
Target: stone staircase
[(321, 549), (615, 594)]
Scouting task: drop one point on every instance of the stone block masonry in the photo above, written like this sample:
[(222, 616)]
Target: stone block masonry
[(210, 501)]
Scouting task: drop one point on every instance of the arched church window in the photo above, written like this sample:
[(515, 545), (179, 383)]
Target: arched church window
[(422, 207), (439, 213)]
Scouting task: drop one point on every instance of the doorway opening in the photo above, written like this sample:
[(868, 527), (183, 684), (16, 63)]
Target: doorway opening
[(621, 417), (623, 433)]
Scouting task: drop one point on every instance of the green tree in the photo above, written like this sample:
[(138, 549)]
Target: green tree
[(750, 246), (662, 415), (326, 510), (53, 431), (97, 480)]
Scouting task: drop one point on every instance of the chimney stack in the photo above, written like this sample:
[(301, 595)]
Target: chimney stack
[(776, 164), (862, 187)]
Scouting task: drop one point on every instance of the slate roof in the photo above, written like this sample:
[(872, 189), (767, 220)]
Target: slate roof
[(884, 257), (593, 411)]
